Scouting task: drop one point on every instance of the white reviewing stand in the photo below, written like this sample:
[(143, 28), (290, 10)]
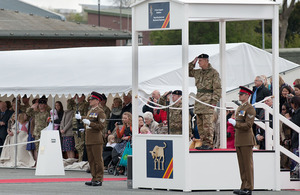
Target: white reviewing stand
[(50, 160)]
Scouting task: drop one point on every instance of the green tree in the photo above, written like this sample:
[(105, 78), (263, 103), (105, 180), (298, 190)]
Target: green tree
[(77, 17), (293, 31), (284, 20), (208, 33)]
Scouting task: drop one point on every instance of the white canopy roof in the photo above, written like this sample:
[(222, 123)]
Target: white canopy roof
[(108, 69)]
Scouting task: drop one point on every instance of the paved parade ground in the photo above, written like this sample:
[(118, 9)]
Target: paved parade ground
[(24, 181)]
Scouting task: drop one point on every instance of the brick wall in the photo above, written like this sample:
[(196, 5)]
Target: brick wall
[(113, 23), (27, 44)]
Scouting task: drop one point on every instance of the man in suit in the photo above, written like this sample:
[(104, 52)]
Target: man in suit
[(244, 141), (94, 123), (5, 115)]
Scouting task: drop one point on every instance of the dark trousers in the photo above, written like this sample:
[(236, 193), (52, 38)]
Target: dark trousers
[(94, 153), (245, 160)]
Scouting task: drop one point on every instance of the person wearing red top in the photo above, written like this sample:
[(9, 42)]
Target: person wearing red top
[(126, 131)]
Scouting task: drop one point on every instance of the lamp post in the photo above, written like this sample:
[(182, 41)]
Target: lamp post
[(98, 12)]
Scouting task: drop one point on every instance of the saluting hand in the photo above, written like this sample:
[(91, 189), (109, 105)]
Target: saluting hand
[(195, 60)]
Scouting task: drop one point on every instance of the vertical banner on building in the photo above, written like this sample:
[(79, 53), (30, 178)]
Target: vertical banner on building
[(159, 15), (160, 159)]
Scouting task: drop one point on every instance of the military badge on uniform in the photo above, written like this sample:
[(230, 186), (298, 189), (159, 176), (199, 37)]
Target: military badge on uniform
[(93, 115), (250, 116), (242, 113)]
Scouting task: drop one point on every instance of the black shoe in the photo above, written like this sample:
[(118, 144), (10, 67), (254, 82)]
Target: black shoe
[(88, 183), (204, 147), (96, 183), (236, 191), (245, 192)]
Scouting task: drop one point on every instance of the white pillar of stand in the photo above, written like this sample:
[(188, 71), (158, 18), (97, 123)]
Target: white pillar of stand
[(50, 160)]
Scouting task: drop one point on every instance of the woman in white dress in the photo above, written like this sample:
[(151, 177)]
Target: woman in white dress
[(24, 157)]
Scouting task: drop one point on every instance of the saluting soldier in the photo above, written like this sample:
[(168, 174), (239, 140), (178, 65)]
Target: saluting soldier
[(40, 118), (244, 141), (209, 90), (82, 106), (94, 130)]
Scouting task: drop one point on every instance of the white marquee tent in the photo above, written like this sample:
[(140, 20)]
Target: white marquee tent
[(108, 69)]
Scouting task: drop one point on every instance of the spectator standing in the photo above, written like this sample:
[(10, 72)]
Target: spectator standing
[(259, 92), (116, 114), (209, 90), (5, 115), (230, 130), (127, 107), (285, 136), (295, 103), (297, 90), (244, 141), (159, 115), (260, 132), (31, 146), (58, 114), (66, 130), (285, 95)]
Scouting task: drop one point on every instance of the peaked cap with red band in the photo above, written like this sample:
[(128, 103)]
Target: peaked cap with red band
[(245, 90), (95, 95)]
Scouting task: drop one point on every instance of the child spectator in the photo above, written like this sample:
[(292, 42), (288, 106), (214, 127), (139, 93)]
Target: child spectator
[(145, 130)]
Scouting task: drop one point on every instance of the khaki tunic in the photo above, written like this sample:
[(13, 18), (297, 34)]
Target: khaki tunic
[(94, 141), (244, 142), (208, 85), (83, 108)]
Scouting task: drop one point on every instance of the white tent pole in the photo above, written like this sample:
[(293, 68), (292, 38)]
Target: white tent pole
[(185, 98), (15, 133), (53, 109), (222, 37), (275, 60), (134, 88)]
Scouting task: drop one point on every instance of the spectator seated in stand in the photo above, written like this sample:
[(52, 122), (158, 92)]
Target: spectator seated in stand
[(145, 130), (151, 123), (24, 157)]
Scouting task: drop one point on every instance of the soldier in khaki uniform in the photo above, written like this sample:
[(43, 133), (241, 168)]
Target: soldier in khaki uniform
[(94, 123), (244, 141), (175, 115), (82, 106), (208, 85), (40, 118), (107, 114), (26, 104)]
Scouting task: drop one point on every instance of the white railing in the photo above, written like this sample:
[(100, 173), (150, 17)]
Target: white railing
[(269, 142)]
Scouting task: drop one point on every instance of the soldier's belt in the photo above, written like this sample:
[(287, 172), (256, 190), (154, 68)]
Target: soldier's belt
[(205, 91)]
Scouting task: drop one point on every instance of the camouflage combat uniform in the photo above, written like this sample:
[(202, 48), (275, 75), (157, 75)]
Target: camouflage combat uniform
[(83, 108), (175, 117), (23, 108), (209, 90), (40, 120)]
